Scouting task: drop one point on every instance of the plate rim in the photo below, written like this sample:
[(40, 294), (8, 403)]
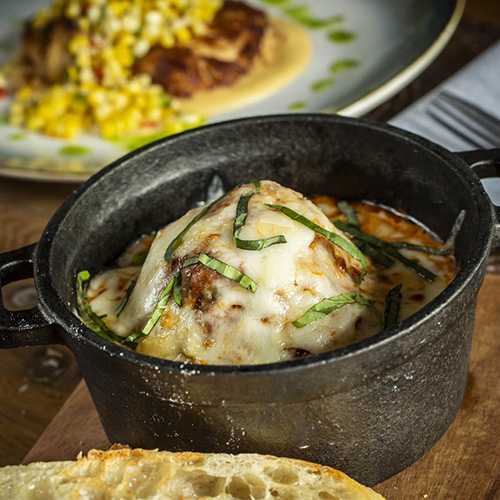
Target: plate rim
[(390, 88)]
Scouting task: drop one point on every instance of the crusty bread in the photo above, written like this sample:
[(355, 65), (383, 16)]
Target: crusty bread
[(125, 474)]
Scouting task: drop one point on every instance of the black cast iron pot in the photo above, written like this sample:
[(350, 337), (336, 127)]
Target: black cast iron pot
[(370, 409)]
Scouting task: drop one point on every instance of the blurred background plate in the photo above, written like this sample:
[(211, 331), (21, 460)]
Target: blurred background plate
[(372, 50)]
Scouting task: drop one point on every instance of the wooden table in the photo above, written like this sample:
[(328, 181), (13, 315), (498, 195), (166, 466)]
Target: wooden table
[(35, 382)]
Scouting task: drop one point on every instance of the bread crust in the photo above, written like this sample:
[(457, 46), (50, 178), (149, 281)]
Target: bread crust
[(122, 473)]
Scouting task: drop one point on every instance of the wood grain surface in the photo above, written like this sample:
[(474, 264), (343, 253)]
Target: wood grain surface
[(35, 382)]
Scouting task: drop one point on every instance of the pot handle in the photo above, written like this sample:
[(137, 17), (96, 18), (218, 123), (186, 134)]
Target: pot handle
[(486, 164), (28, 327)]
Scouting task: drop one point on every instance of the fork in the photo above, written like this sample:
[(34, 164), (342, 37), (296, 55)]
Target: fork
[(472, 124)]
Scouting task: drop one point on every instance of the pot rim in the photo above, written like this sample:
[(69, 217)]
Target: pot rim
[(60, 314)]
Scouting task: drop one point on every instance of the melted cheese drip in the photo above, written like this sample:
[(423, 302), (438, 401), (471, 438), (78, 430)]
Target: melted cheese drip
[(220, 322)]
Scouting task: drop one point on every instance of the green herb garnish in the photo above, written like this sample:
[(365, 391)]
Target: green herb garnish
[(175, 285), (124, 301), (345, 245), (162, 304), (341, 36), (386, 247), (258, 245), (241, 214), (228, 271), (322, 85), (392, 304), (349, 213), (326, 306), (80, 97), (418, 248), (139, 258), (302, 14), (343, 65), (178, 289), (297, 106), (18, 136), (256, 183), (366, 248), (74, 151), (174, 244), (277, 2), (239, 222), (88, 316), (164, 100), (133, 337)]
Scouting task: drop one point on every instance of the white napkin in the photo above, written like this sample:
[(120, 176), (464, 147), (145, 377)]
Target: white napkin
[(477, 83)]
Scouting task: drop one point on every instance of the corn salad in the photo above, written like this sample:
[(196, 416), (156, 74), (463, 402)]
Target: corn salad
[(101, 93)]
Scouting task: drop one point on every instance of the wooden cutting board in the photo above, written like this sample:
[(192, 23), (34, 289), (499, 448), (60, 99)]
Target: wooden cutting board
[(464, 464)]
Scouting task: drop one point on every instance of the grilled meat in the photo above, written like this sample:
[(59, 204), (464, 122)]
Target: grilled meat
[(218, 58), (232, 44), (44, 56)]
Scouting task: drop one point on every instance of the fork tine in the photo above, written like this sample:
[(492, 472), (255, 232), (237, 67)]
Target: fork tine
[(450, 125), (489, 121), (463, 124)]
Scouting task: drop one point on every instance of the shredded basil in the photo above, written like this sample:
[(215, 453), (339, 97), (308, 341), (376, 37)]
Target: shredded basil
[(345, 245), (241, 213), (124, 301), (178, 289), (139, 258), (418, 248), (239, 222), (349, 212), (367, 249), (228, 271), (133, 337), (326, 306), (175, 285), (88, 316), (256, 183), (392, 305), (258, 245), (387, 248), (162, 304), (174, 244)]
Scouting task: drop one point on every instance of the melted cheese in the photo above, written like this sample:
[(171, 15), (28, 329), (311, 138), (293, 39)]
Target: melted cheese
[(220, 322)]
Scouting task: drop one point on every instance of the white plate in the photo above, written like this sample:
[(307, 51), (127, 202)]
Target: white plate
[(393, 42)]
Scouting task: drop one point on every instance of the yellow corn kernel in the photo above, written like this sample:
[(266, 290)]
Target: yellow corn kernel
[(83, 23), (72, 73), (35, 122), (84, 60), (119, 7), (78, 42), (183, 35), (24, 93), (69, 126), (167, 39)]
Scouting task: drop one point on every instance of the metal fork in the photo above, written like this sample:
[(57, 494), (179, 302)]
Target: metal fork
[(475, 126)]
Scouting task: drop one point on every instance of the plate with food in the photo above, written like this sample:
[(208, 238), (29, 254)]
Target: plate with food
[(82, 82), (260, 321)]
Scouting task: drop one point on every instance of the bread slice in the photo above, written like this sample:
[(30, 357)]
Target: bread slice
[(125, 474)]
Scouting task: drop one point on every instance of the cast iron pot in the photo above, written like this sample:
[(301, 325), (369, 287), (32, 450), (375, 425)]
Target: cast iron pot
[(370, 409)]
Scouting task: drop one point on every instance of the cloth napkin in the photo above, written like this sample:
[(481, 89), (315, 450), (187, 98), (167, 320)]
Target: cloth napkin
[(477, 83)]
